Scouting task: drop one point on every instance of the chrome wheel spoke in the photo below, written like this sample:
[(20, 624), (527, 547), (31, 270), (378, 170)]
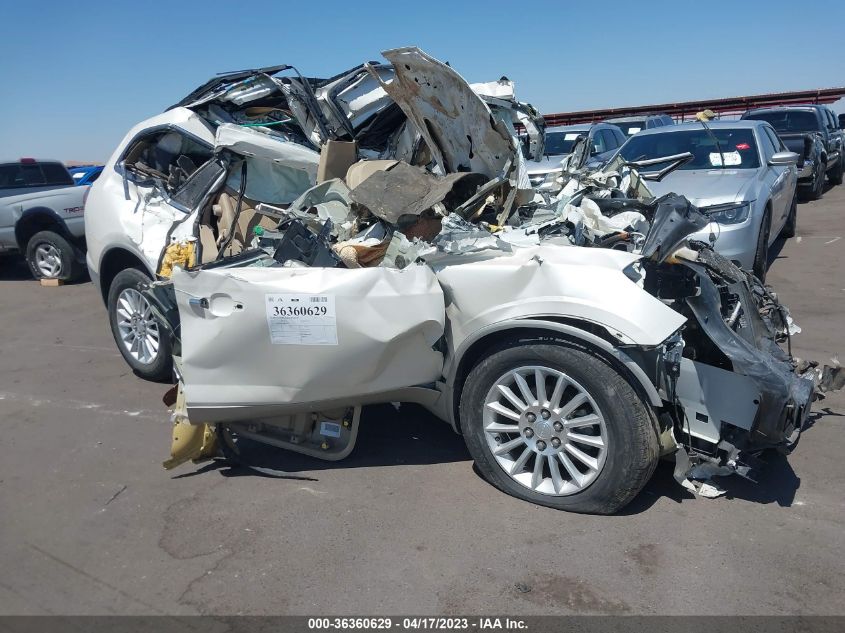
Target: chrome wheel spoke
[(537, 474), (557, 479), (501, 409), (574, 474), (520, 461), (524, 389), (495, 427), (507, 447), (540, 386), (573, 404), (557, 394), (512, 398), (589, 440), (584, 420), (581, 456)]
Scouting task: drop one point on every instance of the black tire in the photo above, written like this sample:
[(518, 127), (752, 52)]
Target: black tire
[(161, 367), (69, 268), (761, 253), (632, 447), (817, 188), (791, 224), (835, 174)]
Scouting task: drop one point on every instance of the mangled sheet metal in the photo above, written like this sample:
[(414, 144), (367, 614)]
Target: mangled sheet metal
[(373, 284), (401, 193), (454, 122)]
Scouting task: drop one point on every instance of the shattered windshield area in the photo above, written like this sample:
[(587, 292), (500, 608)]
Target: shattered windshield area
[(559, 143), (789, 121), (707, 148)]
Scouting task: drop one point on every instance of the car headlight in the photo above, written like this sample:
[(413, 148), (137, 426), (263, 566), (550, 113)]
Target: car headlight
[(728, 213)]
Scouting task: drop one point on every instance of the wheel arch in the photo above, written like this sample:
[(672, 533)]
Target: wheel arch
[(570, 331), (115, 260), (38, 219)]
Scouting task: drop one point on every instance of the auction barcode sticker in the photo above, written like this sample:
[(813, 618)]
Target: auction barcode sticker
[(300, 319)]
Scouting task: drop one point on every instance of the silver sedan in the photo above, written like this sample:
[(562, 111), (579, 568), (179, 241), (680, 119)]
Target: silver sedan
[(741, 175)]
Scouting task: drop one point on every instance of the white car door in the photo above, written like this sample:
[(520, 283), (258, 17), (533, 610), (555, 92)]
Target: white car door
[(270, 339)]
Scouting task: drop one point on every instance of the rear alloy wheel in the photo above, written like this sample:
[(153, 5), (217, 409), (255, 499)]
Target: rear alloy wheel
[(791, 224), (761, 254), (817, 188), (51, 256), (558, 427), (143, 344)]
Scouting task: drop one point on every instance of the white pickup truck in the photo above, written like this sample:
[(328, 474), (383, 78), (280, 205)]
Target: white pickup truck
[(41, 216)]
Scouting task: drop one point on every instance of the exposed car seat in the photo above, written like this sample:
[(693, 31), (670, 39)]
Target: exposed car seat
[(224, 210)]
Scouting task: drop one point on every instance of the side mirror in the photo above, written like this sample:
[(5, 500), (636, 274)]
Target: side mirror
[(783, 158)]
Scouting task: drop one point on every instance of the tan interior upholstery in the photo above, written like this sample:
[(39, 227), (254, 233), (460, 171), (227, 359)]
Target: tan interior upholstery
[(225, 209)]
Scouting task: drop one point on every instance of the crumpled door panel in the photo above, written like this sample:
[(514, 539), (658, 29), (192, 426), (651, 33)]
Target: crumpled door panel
[(266, 336)]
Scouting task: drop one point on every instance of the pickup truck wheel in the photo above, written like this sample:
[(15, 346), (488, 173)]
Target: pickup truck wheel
[(835, 174), (761, 253), (142, 343), (558, 427), (791, 224), (51, 256), (817, 188)]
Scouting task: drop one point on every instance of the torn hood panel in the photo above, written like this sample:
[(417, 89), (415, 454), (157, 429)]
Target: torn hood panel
[(457, 125)]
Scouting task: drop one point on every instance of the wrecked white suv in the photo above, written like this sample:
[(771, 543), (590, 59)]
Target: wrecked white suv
[(320, 245)]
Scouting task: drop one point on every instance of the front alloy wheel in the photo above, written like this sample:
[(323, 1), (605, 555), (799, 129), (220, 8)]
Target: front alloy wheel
[(544, 430), (555, 424)]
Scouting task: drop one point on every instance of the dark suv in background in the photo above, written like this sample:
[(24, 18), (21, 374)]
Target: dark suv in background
[(812, 132), (630, 125)]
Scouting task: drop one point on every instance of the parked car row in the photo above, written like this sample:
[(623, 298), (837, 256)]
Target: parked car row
[(746, 176)]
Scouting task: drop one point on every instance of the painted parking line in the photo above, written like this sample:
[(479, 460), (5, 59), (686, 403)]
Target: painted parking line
[(831, 239)]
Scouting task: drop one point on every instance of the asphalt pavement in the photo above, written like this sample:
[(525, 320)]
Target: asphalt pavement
[(92, 524)]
